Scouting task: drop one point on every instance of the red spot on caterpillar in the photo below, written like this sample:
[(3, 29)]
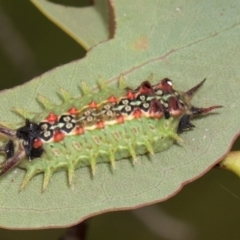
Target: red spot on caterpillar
[(58, 136), (112, 99), (100, 125), (92, 104), (120, 119), (73, 111), (37, 143), (52, 117), (130, 95), (79, 130), (137, 113)]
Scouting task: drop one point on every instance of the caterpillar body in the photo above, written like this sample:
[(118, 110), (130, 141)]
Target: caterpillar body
[(106, 126)]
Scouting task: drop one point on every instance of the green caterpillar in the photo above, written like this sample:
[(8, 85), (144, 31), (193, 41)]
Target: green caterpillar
[(99, 127)]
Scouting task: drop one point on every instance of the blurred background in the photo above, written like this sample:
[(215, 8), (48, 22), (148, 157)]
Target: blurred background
[(206, 209)]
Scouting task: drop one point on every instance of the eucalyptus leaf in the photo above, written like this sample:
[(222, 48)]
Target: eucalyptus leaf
[(184, 40), (88, 25)]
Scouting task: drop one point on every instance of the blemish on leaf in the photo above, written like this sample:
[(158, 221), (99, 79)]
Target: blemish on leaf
[(141, 44)]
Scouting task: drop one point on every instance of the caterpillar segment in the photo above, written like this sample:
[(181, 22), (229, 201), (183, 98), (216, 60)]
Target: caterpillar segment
[(106, 126)]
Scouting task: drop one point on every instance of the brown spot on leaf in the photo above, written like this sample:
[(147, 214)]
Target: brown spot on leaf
[(141, 44)]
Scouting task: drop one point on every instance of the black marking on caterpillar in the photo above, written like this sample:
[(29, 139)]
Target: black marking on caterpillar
[(114, 124)]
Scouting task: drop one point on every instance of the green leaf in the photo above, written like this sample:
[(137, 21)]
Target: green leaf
[(87, 25), (184, 40)]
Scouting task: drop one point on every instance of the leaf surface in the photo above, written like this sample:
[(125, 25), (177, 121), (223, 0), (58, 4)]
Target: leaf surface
[(184, 40), (87, 25)]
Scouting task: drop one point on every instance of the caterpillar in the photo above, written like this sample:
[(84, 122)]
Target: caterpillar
[(106, 126)]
